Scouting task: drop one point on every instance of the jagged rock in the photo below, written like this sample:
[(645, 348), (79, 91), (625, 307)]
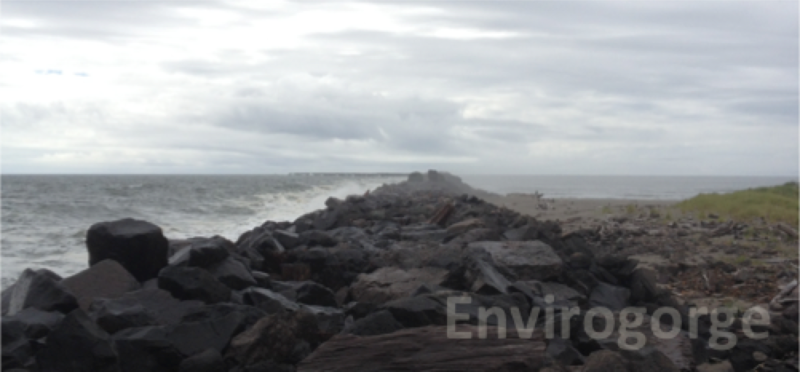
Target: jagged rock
[(261, 248), (106, 279), (41, 290), (605, 361), (209, 360), (313, 238), (157, 303), (609, 296), (479, 275), (288, 240), (330, 320), (213, 331), (377, 323), (262, 279), (146, 349), (417, 311), (115, 316), (139, 246), (267, 300), (724, 366), (527, 260), (77, 344), (427, 349), (311, 293), (281, 338), (562, 351), (21, 333), (192, 283), (232, 273), (390, 283), (201, 253)]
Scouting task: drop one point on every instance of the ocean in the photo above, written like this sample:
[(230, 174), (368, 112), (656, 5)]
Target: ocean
[(45, 217)]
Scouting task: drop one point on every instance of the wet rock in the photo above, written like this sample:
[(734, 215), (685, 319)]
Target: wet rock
[(377, 323), (139, 246), (426, 349), (41, 290), (192, 283), (209, 360), (281, 338), (232, 273), (527, 260), (77, 344), (390, 283), (107, 279)]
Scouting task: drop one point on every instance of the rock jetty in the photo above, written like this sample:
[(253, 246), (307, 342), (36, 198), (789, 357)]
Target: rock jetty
[(415, 276)]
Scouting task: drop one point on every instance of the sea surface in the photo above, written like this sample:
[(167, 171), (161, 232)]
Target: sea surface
[(45, 217)]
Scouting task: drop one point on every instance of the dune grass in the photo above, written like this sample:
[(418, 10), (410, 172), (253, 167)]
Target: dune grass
[(775, 204)]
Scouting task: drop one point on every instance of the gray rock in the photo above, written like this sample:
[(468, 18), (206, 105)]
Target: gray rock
[(391, 283), (192, 283), (232, 273), (41, 290), (527, 260), (107, 279), (77, 344)]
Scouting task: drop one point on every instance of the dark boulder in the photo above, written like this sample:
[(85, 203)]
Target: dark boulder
[(480, 275), (114, 316), (526, 260), (77, 344), (232, 273), (247, 315), (41, 290), (329, 319), (192, 283), (605, 361), (146, 349), (311, 293), (609, 296), (157, 303), (209, 360), (21, 333), (288, 240), (106, 279), (139, 246), (201, 253), (561, 350), (391, 283), (267, 300), (313, 238), (417, 311)]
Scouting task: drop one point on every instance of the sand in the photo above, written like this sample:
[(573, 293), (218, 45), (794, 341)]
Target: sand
[(577, 213)]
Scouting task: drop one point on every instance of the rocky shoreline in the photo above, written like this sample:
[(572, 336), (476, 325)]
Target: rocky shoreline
[(368, 284)]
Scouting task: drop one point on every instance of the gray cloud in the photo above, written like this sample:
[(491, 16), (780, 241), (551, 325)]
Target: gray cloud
[(514, 87)]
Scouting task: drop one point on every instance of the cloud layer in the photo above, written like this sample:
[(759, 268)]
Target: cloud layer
[(473, 87)]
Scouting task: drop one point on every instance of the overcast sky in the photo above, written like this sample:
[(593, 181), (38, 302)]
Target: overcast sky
[(503, 87)]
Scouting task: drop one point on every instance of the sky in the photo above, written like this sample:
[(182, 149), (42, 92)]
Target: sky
[(497, 87)]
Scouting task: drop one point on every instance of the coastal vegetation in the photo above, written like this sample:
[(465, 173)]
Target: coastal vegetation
[(774, 204)]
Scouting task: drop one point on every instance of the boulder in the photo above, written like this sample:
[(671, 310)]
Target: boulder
[(463, 226), (391, 283), (428, 349), (561, 350), (77, 344), (310, 293), (417, 311), (232, 273), (192, 283), (209, 360), (480, 275), (41, 290), (288, 240), (312, 238), (139, 246), (605, 361), (106, 279), (281, 338), (201, 253), (248, 315), (21, 333), (527, 260), (157, 303), (211, 332), (609, 296), (329, 319), (267, 300), (146, 349), (115, 316)]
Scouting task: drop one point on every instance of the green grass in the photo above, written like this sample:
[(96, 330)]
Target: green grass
[(775, 204)]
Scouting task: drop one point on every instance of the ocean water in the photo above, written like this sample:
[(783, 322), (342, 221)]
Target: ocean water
[(45, 218)]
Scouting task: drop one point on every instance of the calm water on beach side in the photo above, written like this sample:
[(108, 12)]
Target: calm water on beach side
[(45, 218)]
